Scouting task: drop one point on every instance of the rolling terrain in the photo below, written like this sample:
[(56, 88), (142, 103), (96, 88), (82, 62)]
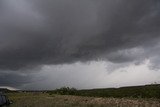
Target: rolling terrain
[(135, 96)]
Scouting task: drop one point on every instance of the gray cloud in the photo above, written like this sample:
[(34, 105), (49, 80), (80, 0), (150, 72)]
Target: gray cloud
[(14, 79), (92, 75), (34, 33), (57, 32)]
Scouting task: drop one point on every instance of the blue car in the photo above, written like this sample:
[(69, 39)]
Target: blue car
[(4, 100)]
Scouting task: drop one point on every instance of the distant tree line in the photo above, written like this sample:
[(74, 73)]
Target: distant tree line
[(64, 91)]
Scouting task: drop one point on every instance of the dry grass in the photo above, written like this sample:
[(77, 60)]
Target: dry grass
[(45, 100)]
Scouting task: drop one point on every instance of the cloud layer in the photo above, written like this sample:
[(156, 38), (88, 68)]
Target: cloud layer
[(35, 33), (56, 32)]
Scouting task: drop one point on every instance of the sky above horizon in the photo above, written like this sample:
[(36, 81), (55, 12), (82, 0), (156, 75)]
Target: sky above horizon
[(79, 43)]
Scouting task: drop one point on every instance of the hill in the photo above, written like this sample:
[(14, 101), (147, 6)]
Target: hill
[(146, 91), (4, 90)]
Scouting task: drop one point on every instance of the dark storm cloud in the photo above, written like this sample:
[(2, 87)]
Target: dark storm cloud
[(38, 32), (14, 79)]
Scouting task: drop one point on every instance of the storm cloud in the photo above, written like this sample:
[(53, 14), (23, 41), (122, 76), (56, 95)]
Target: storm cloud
[(57, 32), (35, 33)]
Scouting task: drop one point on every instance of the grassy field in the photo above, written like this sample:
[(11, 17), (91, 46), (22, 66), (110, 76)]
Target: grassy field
[(47, 100)]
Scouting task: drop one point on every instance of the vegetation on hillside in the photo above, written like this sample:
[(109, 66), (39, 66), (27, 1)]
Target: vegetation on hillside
[(147, 91)]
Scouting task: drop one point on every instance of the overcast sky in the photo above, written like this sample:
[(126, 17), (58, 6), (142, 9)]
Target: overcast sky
[(47, 44)]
